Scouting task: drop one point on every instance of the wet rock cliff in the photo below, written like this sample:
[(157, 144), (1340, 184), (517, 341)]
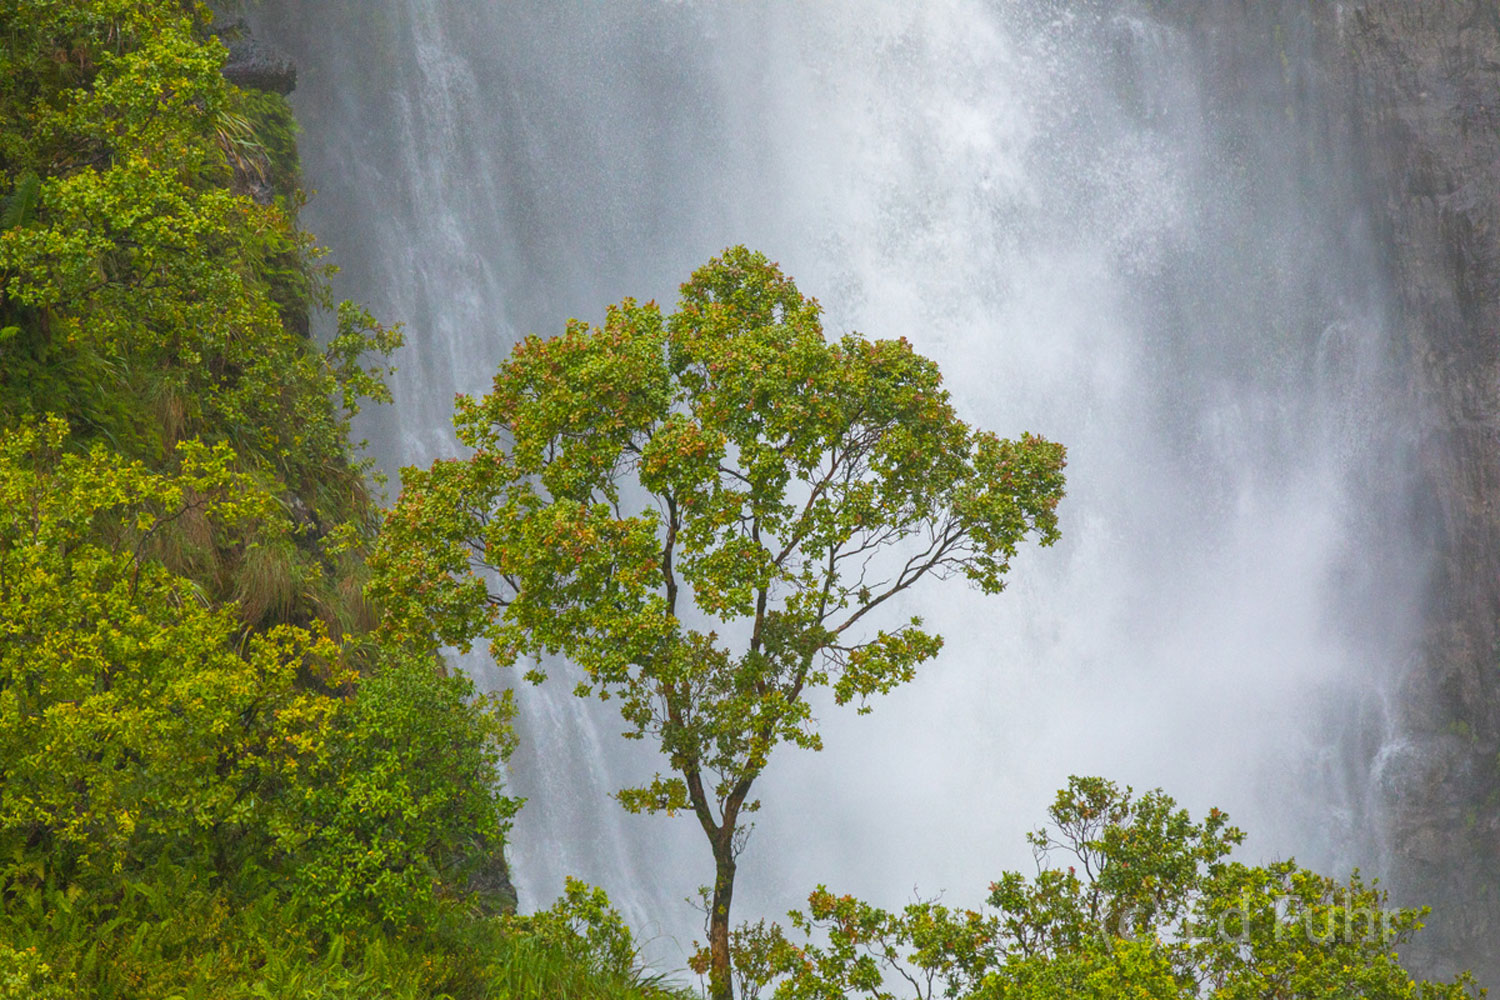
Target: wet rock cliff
[(1405, 95), (1424, 86)]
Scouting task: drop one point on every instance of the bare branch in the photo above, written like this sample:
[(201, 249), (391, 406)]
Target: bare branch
[(916, 567)]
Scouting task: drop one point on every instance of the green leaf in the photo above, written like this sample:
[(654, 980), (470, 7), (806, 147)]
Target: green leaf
[(21, 204)]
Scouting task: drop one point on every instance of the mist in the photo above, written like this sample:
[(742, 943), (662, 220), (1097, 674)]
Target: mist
[(1054, 202)]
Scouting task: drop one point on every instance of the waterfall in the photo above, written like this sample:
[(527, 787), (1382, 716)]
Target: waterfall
[(1062, 205)]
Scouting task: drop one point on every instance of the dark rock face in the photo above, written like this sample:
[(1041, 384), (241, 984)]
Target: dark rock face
[(1403, 96), (1424, 86), (492, 885), (253, 64)]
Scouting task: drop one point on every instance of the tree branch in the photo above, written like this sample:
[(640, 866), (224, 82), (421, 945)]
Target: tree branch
[(916, 567)]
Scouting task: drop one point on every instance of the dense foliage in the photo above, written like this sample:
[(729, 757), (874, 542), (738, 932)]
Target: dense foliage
[(150, 301), (1131, 898), (155, 754), (213, 781), (726, 465)]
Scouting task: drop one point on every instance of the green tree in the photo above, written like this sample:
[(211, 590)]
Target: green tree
[(401, 804), (633, 490), (1131, 898)]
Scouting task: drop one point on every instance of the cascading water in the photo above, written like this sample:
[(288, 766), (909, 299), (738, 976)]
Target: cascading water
[(1050, 200)]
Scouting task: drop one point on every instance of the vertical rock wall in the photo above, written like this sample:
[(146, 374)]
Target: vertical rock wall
[(1424, 93), (1403, 96)]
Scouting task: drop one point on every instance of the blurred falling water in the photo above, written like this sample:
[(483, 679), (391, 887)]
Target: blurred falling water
[(1060, 204)]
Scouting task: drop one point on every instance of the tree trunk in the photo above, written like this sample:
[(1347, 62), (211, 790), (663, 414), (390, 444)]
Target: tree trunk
[(720, 985)]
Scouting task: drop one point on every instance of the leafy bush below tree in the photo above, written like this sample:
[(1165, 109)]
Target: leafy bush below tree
[(1131, 898)]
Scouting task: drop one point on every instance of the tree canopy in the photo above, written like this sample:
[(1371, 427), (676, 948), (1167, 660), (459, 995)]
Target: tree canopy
[(1131, 897), (711, 513)]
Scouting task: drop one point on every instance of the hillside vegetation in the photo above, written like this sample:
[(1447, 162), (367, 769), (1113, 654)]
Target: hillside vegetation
[(213, 781)]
